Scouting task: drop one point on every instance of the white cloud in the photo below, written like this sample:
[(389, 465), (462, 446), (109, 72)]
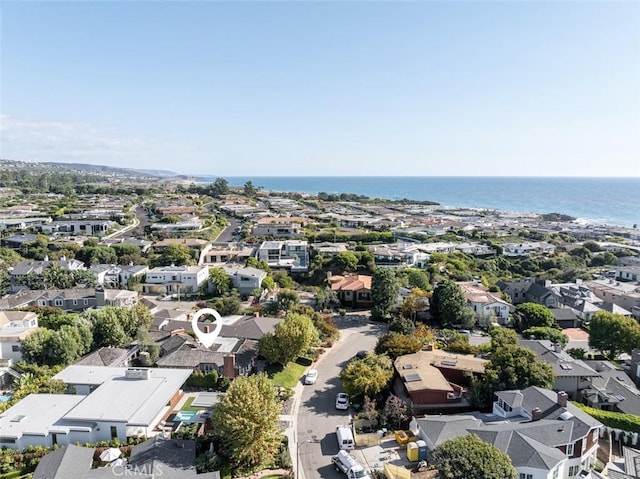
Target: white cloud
[(36, 140)]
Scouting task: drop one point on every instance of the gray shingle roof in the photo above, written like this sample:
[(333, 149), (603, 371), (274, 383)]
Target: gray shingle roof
[(64, 463)]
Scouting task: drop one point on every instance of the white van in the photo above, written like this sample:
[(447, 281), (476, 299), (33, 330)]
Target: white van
[(345, 438)]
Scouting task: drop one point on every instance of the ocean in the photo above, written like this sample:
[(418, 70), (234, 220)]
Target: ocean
[(610, 201)]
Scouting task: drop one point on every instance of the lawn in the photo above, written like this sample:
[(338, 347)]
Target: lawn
[(286, 377), (187, 405)]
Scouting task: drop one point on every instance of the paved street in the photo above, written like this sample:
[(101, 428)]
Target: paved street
[(317, 415)]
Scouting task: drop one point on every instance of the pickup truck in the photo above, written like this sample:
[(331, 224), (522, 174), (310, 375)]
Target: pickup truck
[(346, 463)]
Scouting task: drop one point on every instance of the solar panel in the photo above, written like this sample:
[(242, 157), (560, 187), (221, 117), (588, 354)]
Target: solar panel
[(410, 378)]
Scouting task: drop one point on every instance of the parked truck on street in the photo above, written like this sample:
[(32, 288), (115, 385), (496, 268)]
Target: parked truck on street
[(346, 463)]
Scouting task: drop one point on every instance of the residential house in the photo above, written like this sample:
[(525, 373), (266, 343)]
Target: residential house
[(117, 276), (230, 253), (175, 279), (401, 255), (16, 241), (156, 457), (541, 294), (625, 295), (195, 244), (566, 317), (329, 250), (353, 290), (612, 390), (246, 279), (110, 357), (80, 227), (282, 227), (571, 375), (571, 431), (15, 327), (626, 467), (528, 248), (516, 290), (629, 273), (289, 254), (486, 305), (23, 269), (108, 403), (189, 225), (436, 379), (71, 300)]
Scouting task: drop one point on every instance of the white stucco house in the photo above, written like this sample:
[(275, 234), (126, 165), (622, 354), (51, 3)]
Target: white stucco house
[(104, 404), (15, 326), (174, 279)]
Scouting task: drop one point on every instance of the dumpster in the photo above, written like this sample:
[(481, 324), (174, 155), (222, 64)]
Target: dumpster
[(412, 451), (422, 450), (401, 437)]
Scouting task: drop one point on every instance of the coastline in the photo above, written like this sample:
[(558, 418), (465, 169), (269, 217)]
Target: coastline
[(611, 202)]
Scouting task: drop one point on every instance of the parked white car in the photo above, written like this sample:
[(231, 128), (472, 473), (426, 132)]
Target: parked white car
[(342, 401), (311, 376)]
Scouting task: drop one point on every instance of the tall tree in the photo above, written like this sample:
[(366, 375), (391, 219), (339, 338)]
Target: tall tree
[(469, 457), (384, 292), (394, 344), (176, 254), (249, 189), (511, 367), (219, 281), (219, 187), (292, 337), (448, 304), (246, 421), (534, 315), (368, 376), (613, 333)]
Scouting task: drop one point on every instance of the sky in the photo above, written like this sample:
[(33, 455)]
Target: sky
[(324, 88)]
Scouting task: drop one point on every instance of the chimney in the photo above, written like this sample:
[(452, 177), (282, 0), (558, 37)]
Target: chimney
[(536, 414), (229, 367), (557, 348), (547, 283), (206, 329), (256, 314), (430, 347), (562, 398)]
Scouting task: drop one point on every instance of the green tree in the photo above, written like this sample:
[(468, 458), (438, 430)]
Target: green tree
[(259, 264), (417, 278), (613, 334), (402, 325), (176, 254), (249, 189), (552, 334), (368, 376), (395, 413), (292, 336), (394, 345), (534, 315), (448, 304), (283, 279), (219, 187), (246, 422), (501, 337), (384, 292), (469, 457), (227, 305), (108, 331), (287, 299), (511, 367), (219, 281), (345, 261)]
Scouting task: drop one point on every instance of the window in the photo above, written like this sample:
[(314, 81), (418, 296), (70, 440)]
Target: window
[(554, 474), (570, 449), (15, 348), (574, 470), (595, 435), (58, 302), (75, 302), (86, 301), (526, 476), (114, 432), (42, 302)]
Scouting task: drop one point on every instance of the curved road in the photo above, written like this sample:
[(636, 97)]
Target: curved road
[(317, 415)]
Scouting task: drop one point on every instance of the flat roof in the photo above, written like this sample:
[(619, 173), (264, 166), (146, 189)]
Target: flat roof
[(134, 401), (91, 375), (37, 414)]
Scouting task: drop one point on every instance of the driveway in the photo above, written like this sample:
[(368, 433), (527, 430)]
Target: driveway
[(317, 415)]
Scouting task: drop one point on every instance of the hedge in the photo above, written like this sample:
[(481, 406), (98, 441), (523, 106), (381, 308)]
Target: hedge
[(616, 420)]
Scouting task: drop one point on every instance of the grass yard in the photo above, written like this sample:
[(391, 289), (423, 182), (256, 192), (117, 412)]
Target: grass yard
[(187, 405), (286, 377)]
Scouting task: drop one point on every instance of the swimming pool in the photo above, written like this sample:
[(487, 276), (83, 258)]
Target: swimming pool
[(5, 398), (186, 416)]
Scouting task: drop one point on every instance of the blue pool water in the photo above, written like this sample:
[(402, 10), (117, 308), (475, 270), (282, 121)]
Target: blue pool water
[(186, 416), (5, 398)]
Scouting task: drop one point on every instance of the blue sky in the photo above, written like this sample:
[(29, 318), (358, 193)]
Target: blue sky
[(324, 88)]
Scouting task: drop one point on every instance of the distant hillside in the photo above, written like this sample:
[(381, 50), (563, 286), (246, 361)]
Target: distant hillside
[(102, 170)]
